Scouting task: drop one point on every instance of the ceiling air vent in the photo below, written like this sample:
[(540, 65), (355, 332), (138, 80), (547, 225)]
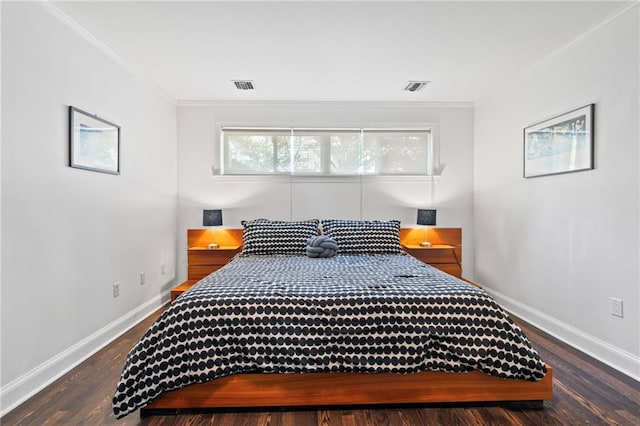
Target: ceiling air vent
[(243, 84), (414, 86)]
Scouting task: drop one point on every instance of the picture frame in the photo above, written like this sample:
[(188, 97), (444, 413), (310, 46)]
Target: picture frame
[(94, 143), (562, 144)]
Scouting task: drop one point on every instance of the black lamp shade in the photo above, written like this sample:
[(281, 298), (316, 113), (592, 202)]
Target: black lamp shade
[(426, 217), (211, 217)]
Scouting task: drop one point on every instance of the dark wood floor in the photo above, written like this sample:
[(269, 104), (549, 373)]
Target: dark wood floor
[(585, 392)]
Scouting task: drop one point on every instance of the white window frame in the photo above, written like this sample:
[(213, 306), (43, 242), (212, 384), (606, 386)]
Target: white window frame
[(431, 168)]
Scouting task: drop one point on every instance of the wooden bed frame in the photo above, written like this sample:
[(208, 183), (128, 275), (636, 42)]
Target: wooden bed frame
[(340, 389)]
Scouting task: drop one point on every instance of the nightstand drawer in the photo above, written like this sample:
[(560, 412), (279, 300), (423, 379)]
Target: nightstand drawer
[(198, 272), (210, 256), (202, 260), (450, 268), (434, 255), (442, 256)]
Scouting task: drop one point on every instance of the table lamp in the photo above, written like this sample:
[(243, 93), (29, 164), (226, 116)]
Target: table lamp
[(212, 218), (428, 218)]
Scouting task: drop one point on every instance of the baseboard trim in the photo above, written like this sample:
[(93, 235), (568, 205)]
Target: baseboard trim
[(24, 387), (616, 358)]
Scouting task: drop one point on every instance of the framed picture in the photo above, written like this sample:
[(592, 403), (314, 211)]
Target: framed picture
[(94, 143), (561, 144)]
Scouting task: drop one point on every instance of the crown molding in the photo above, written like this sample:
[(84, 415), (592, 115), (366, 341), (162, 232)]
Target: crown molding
[(623, 10), (85, 34), (311, 103)]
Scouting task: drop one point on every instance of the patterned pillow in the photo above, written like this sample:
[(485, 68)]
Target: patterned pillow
[(364, 236), (262, 236)]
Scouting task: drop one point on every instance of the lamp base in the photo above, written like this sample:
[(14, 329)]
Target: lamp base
[(213, 246), (425, 244)]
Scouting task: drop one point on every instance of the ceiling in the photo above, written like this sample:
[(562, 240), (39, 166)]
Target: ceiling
[(335, 51)]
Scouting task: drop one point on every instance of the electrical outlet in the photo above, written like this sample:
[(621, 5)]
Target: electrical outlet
[(163, 269), (616, 307), (142, 278), (116, 289)]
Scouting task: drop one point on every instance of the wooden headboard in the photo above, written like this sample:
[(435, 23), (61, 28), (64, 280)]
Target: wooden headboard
[(204, 237), (408, 236), (201, 261)]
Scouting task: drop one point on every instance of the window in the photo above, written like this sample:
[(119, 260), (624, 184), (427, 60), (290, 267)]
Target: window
[(396, 152), (349, 152), (257, 152)]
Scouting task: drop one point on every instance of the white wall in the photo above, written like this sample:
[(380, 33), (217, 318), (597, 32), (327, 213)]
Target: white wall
[(69, 234), (287, 198), (555, 249)]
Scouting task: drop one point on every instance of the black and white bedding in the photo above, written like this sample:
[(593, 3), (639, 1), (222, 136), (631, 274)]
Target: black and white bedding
[(348, 313)]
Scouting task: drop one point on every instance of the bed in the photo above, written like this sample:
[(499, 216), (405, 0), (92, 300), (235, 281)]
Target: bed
[(371, 325)]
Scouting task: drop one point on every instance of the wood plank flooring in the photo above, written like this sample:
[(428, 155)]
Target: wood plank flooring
[(586, 392)]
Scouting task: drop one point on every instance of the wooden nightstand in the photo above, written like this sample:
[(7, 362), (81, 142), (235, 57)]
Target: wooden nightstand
[(201, 262), (442, 256)]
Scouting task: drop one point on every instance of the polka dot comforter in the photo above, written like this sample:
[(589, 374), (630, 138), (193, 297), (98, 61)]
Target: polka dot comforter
[(349, 313)]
